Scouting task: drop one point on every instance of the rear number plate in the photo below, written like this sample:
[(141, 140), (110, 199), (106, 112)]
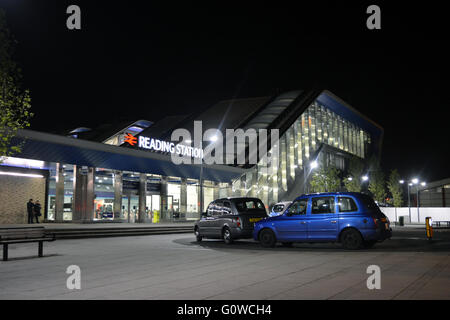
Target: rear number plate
[(254, 219)]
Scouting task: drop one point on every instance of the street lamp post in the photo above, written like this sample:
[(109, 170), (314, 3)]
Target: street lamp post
[(423, 184), (365, 178), (201, 188), (314, 164), (416, 182), (409, 202)]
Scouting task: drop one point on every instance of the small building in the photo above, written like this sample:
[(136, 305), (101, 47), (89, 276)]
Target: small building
[(433, 194)]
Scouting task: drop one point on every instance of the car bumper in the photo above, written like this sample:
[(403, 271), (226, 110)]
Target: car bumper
[(238, 233), (377, 234)]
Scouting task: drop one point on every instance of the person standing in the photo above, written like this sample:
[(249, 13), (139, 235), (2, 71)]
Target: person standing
[(30, 206), (37, 210)]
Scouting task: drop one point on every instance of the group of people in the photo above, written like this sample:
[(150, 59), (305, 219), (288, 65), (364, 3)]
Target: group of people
[(34, 210)]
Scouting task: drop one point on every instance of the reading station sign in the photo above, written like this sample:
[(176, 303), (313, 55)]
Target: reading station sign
[(163, 146)]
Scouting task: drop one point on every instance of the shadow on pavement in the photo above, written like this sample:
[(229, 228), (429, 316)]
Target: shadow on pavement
[(393, 245), (30, 257)]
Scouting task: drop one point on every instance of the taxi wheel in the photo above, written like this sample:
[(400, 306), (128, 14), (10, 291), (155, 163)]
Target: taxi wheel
[(198, 237), (267, 238), (351, 239), (226, 235)]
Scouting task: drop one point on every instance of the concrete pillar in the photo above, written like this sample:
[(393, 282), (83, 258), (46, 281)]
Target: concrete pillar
[(77, 205), (83, 194), (216, 190), (118, 188), (142, 197), (229, 190), (90, 195), (59, 193), (199, 200), (183, 196), (163, 196)]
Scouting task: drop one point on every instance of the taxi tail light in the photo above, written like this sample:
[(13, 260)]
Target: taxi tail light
[(375, 221), (238, 222)]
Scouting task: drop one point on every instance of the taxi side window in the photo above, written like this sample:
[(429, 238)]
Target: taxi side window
[(298, 207), (210, 210), (322, 205), (226, 207), (347, 204), (218, 208)]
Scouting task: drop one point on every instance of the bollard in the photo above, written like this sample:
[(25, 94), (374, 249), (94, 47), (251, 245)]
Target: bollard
[(429, 227)]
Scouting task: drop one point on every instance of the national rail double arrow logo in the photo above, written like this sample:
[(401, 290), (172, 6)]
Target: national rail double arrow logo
[(130, 139)]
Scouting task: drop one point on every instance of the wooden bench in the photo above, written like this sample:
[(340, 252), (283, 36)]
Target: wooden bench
[(12, 234)]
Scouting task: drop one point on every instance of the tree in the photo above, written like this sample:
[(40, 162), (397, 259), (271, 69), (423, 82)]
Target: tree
[(326, 180), (395, 188), (376, 181), (15, 102), (355, 170)]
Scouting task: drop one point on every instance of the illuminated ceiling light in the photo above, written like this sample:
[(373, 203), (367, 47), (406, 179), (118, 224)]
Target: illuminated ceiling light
[(24, 163), (18, 174), (415, 181)]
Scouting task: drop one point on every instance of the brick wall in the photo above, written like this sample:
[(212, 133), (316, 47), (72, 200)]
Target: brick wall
[(14, 195)]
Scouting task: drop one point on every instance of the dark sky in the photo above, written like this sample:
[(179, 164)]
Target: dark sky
[(134, 61)]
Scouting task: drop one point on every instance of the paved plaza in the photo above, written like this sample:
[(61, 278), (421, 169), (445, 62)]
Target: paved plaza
[(174, 266)]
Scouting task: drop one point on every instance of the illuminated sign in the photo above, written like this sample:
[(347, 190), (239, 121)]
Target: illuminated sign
[(164, 146), (132, 140)]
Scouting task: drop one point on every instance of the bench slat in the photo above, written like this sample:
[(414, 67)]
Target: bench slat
[(22, 233), (10, 241)]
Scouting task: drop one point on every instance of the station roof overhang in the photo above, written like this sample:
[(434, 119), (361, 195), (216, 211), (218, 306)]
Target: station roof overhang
[(55, 148)]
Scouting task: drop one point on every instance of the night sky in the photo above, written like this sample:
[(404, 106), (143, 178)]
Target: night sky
[(134, 61)]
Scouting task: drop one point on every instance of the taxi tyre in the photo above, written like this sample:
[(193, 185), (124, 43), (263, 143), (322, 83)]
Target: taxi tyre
[(198, 237), (351, 239), (267, 238), (226, 235)]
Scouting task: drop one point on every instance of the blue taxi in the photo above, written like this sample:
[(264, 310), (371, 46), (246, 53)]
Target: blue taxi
[(350, 218)]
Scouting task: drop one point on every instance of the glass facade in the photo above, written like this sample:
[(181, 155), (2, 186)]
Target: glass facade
[(183, 196), (298, 146)]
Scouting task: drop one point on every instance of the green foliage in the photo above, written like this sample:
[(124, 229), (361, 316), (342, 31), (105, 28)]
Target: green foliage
[(325, 180), (395, 188), (356, 169), (15, 102), (376, 181)]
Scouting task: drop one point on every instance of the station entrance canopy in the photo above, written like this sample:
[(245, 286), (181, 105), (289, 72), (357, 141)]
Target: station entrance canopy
[(55, 148)]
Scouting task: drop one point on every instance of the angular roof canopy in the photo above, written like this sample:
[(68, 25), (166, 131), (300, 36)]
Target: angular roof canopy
[(55, 148)]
